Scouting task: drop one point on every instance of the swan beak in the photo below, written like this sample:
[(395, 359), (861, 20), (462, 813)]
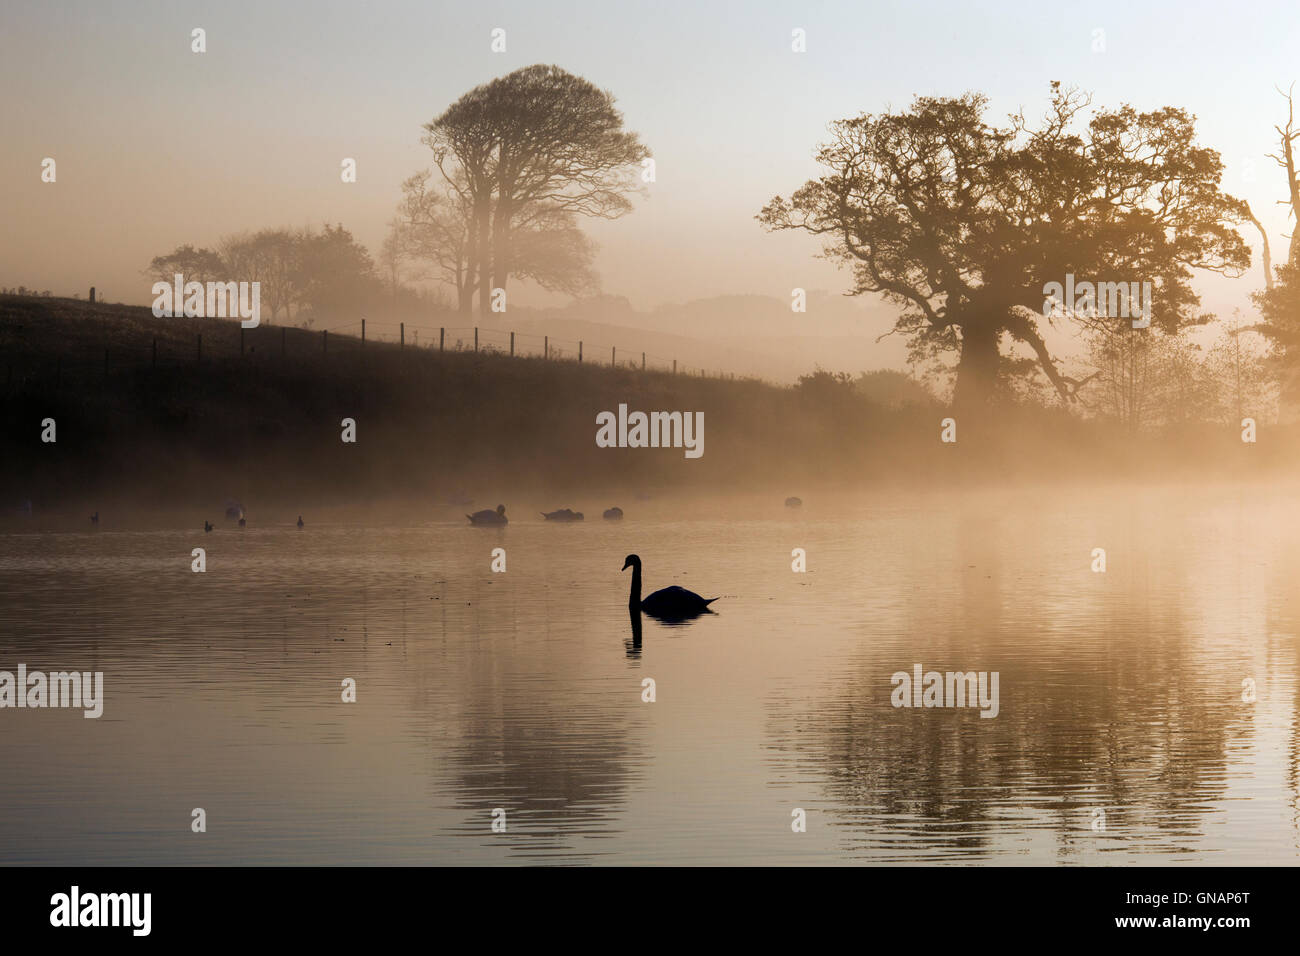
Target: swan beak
[(626, 565)]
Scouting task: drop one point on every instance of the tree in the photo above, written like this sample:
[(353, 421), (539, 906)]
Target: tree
[(196, 265), (334, 274), (537, 146), (962, 223)]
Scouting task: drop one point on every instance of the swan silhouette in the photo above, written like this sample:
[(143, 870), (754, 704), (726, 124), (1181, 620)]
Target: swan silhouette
[(487, 517), (564, 514), (667, 604), (793, 502), (614, 514)]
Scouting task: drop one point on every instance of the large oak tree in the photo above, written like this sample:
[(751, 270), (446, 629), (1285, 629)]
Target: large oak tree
[(962, 223)]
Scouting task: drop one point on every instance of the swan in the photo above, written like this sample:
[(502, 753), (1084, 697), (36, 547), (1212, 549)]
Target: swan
[(793, 502), (207, 525), (299, 522), (564, 514), (670, 603), (614, 514), (486, 517)]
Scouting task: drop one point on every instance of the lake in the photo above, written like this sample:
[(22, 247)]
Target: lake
[(1147, 714)]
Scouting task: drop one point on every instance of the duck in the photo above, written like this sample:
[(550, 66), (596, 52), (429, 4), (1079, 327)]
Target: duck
[(564, 514), (207, 525), (614, 514), (299, 522), (668, 604), (487, 517), (793, 502)]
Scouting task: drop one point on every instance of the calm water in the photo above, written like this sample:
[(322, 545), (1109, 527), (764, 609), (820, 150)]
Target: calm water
[(1120, 691)]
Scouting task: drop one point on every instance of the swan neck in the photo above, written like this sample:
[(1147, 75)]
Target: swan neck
[(634, 599)]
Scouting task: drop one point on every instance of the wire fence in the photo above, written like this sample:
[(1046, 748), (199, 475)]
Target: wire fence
[(194, 342)]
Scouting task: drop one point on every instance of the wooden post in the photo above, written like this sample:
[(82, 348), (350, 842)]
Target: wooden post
[(613, 356), (512, 344), (442, 336), (674, 366), (155, 352), (363, 333), (402, 333), (92, 295), (643, 361), (476, 338), (546, 346), (580, 351)]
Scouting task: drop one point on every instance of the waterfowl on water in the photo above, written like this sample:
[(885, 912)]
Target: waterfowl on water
[(614, 514), (564, 514), (299, 522), (793, 502), (207, 525), (486, 517), (670, 603)]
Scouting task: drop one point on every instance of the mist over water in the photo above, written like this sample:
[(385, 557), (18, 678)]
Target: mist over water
[(1120, 690)]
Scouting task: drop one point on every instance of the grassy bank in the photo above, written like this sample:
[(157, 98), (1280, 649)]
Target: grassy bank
[(145, 412)]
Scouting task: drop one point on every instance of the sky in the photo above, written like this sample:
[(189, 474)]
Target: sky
[(157, 146)]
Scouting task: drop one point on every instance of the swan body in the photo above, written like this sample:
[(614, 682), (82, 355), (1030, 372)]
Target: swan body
[(564, 514), (793, 502), (613, 514), (670, 604), (488, 517)]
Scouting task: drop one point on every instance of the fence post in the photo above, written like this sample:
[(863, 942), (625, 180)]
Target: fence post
[(442, 337), (579, 351), (198, 354), (154, 363), (324, 340), (643, 361), (476, 338), (674, 366), (402, 332), (546, 346), (363, 333), (613, 356), (512, 344)]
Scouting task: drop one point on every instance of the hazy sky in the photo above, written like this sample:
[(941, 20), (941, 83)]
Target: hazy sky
[(157, 146)]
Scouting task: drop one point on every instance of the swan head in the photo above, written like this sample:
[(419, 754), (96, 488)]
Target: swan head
[(501, 509), (631, 561)]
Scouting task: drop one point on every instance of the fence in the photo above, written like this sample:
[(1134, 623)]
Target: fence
[(216, 339)]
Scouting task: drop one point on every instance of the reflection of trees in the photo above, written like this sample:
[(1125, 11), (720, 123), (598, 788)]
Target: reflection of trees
[(1106, 701)]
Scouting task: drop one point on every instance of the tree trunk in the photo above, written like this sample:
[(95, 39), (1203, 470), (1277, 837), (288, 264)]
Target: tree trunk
[(977, 369)]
